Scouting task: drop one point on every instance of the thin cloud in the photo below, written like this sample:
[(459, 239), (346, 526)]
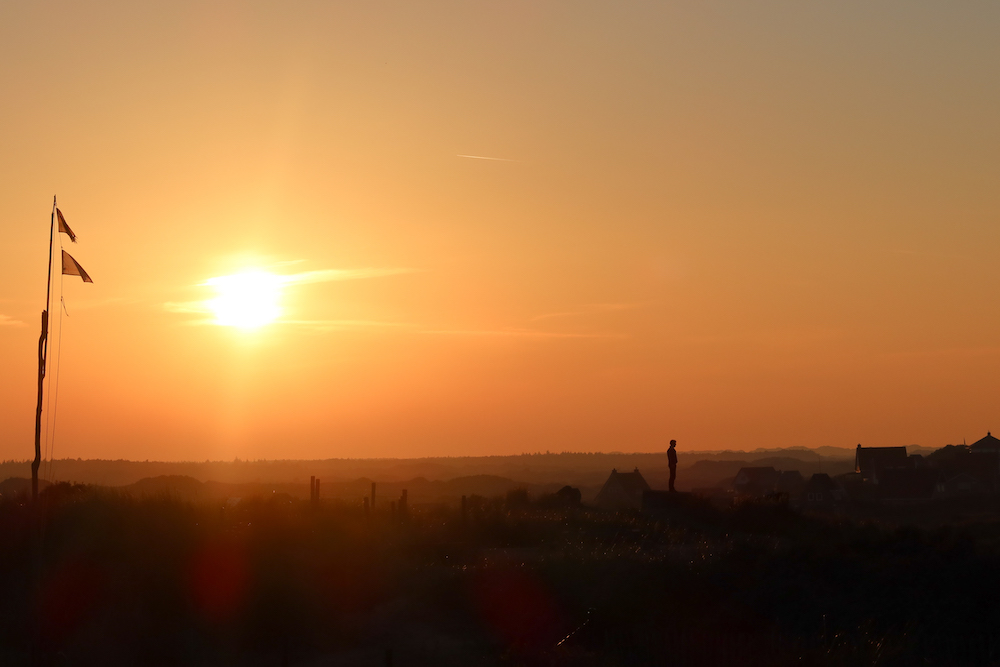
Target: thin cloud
[(186, 307), (483, 157), (317, 325), (203, 307), (8, 321)]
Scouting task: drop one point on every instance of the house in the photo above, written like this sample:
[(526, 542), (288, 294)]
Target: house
[(569, 496), (902, 486), (987, 444), (871, 462), (987, 453), (962, 484), (623, 490), (756, 480), (822, 494), (982, 463)]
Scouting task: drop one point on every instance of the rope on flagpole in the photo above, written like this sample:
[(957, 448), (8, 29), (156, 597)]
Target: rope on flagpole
[(55, 398), (48, 391), (54, 394)]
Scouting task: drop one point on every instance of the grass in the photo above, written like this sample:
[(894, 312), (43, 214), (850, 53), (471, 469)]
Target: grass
[(91, 576)]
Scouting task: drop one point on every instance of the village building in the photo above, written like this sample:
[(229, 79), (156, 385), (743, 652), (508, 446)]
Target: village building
[(569, 495), (985, 456), (961, 485), (872, 462), (893, 478), (988, 444), (981, 460), (822, 493), (908, 486), (622, 491)]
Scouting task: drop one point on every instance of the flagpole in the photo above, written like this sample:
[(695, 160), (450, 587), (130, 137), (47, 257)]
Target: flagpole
[(43, 348)]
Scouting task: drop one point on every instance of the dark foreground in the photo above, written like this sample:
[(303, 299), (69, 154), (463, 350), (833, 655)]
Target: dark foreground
[(108, 579)]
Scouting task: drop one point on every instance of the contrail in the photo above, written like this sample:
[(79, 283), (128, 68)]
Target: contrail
[(482, 157)]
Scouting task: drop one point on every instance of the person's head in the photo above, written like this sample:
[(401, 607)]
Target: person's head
[(673, 443)]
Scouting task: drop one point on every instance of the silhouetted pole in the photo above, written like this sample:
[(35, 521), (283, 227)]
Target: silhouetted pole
[(43, 349), (38, 410)]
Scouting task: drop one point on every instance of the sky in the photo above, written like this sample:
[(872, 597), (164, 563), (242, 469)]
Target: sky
[(735, 224)]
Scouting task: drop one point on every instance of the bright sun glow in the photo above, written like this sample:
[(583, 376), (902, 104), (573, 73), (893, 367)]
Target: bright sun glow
[(246, 300)]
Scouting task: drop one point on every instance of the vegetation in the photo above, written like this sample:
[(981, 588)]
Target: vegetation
[(94, 576)]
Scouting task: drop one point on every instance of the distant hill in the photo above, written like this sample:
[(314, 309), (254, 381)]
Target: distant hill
[(347, 477), (580, 468)]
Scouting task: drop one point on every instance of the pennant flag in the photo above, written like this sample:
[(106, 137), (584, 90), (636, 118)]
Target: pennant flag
[(64, 228), (71, 267)]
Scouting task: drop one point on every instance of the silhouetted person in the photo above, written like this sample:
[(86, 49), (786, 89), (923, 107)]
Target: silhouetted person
[(672, 462)]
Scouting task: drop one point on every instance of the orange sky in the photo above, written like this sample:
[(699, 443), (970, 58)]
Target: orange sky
[(735, 224)]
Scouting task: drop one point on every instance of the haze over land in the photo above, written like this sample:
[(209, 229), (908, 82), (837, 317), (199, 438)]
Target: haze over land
[(734, 224), (428, 480)]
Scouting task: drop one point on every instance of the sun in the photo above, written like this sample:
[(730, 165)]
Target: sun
[(247, 300)]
